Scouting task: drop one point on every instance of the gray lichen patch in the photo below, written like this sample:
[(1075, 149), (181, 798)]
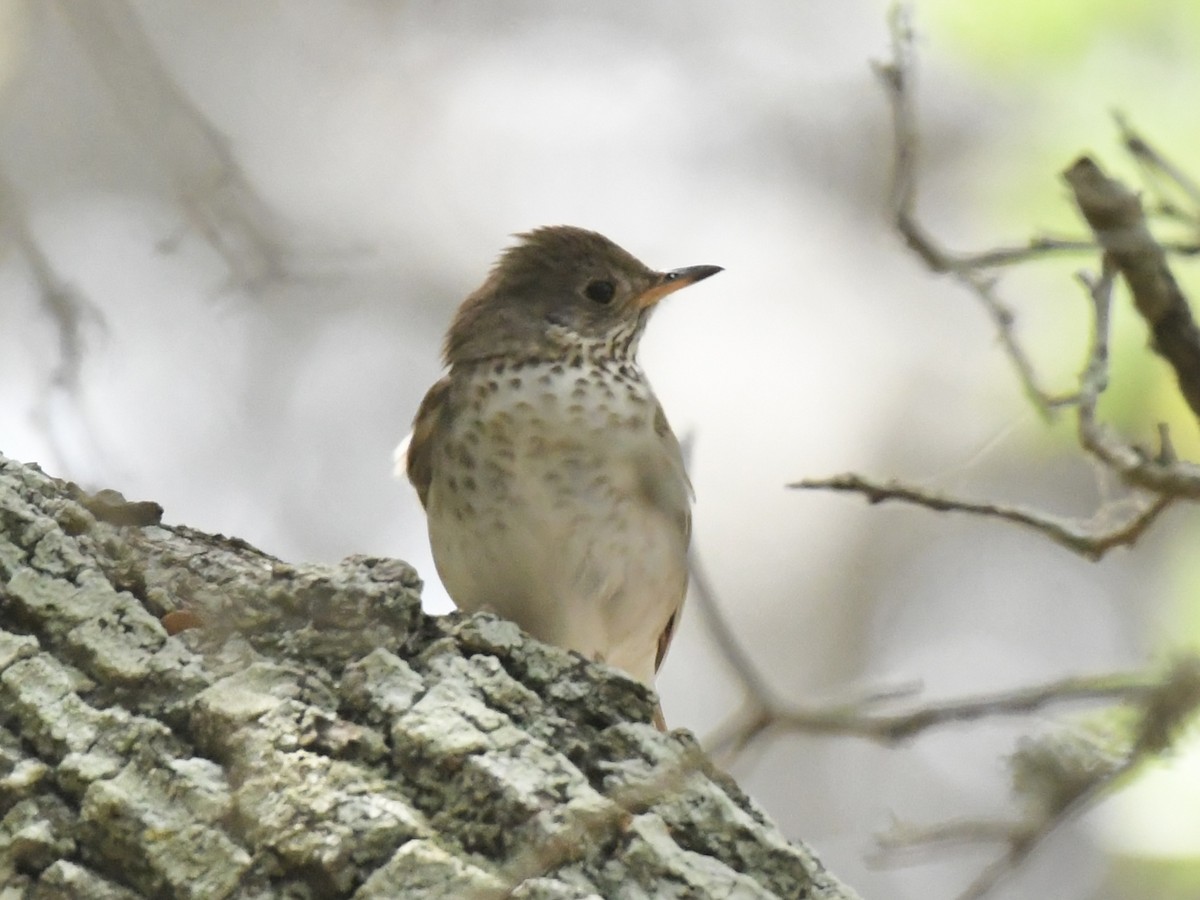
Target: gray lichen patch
[(545, 888), (36, 832), (39, 694), (21, 778), (649, 853), (117, 642), (220, 711), (424, 869), (63, 879), (323, 816), (14, 647), (551, 673), (380, 686), (147, 819), (36, 599)]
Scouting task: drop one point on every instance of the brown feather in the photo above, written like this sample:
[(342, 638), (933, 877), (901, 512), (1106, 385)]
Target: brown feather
[(668, 489), (427, 426), (664, 639)]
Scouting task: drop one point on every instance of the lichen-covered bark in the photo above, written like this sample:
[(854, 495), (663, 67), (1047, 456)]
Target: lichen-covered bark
[(310, 733)]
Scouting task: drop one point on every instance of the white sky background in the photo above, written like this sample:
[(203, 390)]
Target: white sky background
[(393, 148)]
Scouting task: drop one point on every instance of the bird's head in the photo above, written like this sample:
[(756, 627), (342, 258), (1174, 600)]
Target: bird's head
[(560, 289)]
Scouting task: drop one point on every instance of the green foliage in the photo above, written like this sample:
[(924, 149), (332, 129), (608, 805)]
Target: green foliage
[(1025, 37), (1171, 877)]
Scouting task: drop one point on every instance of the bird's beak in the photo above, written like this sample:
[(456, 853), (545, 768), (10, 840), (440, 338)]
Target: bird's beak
[(668, 282)]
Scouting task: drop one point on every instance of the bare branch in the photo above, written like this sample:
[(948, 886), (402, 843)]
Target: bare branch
[(1115, 215), (1094, 380), (72, 315), (1161, 471), (66, 308), (854, 719), (750, 721), (218, 199), (891, 728), (1157, 167), (1117, 220), (1064, 783), (1090, 538), (1036, 248), (904, 842), (1166, 478), (896, 77), (738, 732), (730, 647), (1024, 840)]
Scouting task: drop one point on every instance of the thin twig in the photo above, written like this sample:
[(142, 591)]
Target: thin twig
[(1025, 841), (1043, 247), (730, 647), (217, 197), (853, 720), (904, 843), (751, 720), (894, 728), (896, 77), (1160, 472), (75, 319), (1118, 223), (735, 735), (1086, 538), (1116, 218), (1037, 248), (1155, 165)]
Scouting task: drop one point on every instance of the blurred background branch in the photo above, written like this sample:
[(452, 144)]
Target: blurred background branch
[(72, 316), (219, 202)]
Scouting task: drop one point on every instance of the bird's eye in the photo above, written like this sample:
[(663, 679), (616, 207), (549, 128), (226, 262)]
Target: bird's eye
[(600, 291)]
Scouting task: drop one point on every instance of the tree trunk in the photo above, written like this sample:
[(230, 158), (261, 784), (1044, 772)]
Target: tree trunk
[(182, 715)]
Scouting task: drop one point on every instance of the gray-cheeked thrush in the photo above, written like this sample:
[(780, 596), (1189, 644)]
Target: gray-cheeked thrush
[(554, 487)]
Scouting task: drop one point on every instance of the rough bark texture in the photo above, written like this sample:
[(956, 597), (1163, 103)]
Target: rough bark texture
[(310, 733)]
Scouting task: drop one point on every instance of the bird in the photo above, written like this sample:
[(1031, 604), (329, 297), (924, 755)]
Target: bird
[(554, 488)]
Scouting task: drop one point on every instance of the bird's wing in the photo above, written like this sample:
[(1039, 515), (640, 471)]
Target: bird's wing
[(666, 486), (417, 452)]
